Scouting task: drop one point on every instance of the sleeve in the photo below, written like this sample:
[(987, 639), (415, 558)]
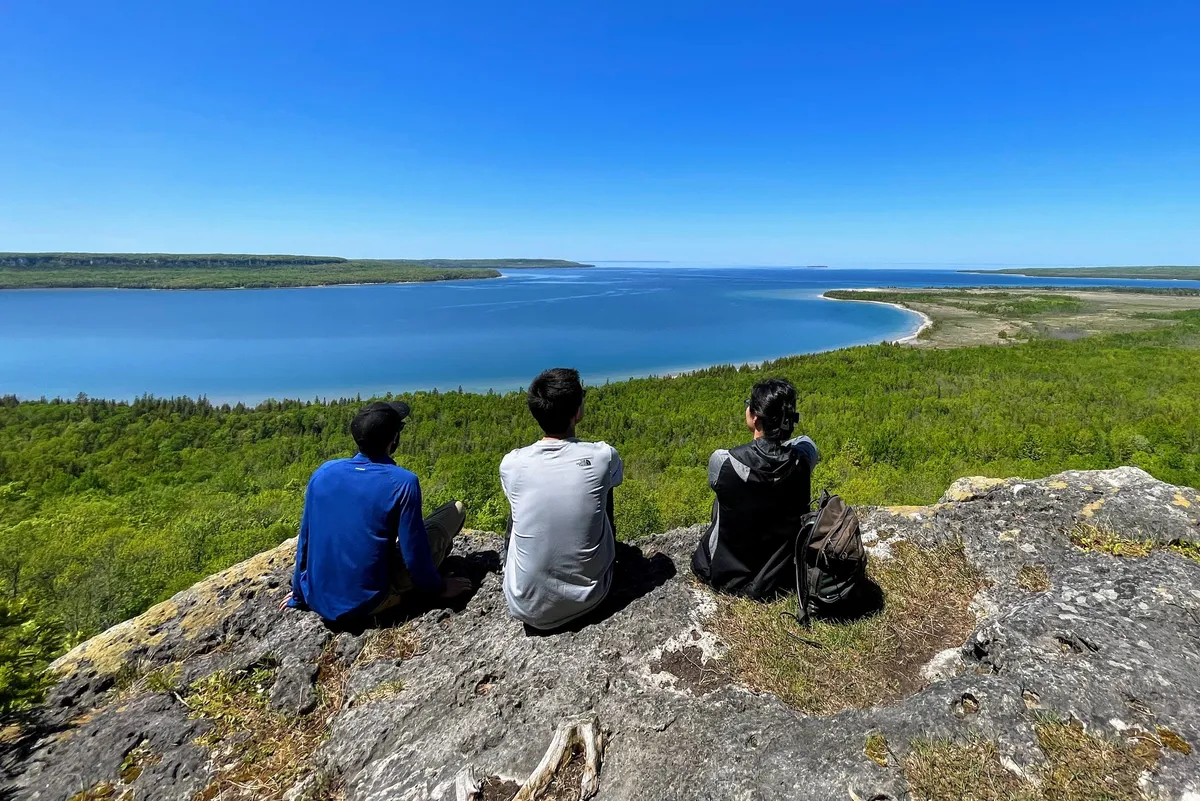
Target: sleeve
[(616, 468), (806, 446), (715, 463), (413, 540), (297, 601)]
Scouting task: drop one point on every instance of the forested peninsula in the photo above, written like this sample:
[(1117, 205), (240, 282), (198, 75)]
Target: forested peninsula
[(236, 271), (1160, 272), (107, 507)]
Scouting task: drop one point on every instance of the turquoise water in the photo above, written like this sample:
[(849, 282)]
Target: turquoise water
[(609, 322)]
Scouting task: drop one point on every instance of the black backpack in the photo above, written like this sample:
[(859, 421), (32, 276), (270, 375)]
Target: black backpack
[(830, 561)]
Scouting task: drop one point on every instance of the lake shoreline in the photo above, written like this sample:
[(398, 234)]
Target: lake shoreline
[(926, 320)]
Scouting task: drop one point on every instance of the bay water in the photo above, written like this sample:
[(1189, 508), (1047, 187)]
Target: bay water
[(610, 322)]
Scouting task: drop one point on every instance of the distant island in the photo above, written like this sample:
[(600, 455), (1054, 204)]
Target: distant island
[(239, 271), (1159, 272)]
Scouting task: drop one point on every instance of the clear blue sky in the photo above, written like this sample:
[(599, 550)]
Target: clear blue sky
[(833, 132)]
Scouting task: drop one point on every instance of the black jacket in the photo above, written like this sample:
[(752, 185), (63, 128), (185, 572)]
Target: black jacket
[(763, 491)]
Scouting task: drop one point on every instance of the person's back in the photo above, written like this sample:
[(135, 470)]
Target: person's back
[(350, 504), (561, 546), (362, 543), (763, 490)]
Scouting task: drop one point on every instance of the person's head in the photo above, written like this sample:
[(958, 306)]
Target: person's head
[(771, 409), (555, 400), (377, 426)]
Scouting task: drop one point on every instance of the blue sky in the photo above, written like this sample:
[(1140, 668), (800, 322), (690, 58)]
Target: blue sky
[(793, 133)]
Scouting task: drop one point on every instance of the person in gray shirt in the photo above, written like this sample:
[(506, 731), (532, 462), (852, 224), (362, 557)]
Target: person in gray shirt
[(562, 544)]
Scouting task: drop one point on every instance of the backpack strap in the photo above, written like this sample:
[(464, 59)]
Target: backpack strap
[(803, 541)]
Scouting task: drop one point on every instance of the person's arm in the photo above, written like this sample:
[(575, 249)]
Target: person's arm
[(616, 475), (806, 446), (296, 598), (413, 540)]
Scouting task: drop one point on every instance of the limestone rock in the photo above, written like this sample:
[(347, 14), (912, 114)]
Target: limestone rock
[(1113, 642)]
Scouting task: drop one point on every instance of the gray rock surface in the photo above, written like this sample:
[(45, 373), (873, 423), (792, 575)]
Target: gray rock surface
[(1114, 642)]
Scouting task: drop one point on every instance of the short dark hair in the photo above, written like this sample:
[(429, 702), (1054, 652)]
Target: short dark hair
[(554, 397), (773, 402), (377, 425)]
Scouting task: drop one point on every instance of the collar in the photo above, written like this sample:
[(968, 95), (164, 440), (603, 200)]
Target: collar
[(362, 458)]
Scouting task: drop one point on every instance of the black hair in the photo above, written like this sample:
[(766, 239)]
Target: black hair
[(376, 427), (554, 397), (773, 402)]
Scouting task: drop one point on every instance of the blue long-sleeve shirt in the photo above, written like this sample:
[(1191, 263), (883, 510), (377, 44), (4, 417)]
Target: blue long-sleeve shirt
[(357, 513)]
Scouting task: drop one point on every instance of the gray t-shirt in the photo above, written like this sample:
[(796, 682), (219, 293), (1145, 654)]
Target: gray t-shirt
[(561, 551)]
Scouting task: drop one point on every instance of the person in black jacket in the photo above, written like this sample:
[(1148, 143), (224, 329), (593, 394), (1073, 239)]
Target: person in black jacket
[(763, 491)]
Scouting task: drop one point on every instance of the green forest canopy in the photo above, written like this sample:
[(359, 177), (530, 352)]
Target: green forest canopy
[(225, 271), (106, 508), (1158, 271)]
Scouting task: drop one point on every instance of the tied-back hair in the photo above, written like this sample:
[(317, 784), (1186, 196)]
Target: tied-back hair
[(773, 402)]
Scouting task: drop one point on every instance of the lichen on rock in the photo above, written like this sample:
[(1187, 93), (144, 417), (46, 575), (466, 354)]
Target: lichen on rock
[(1105, 646)]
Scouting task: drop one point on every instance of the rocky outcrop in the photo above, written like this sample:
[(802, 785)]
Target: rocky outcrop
[(418, 711)]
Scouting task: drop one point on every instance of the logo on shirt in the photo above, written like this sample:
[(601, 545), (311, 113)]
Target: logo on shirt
[(584, 463)]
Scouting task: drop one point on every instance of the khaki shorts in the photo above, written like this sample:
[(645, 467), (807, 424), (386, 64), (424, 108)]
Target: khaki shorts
[(442, 527)]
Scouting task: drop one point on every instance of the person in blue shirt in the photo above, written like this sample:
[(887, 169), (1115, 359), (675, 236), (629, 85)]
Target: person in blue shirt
[(363, 546)]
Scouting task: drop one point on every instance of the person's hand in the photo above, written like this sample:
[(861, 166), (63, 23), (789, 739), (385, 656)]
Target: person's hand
[(284, 603), (456, 586)]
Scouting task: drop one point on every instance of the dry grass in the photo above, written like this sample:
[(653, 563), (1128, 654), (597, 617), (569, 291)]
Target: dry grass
[(1083, 767), (1078, 767), (1033, 578), (937, 770), (396, 642), (861, 663), (1088, 537), (259, 752), (387, 689)]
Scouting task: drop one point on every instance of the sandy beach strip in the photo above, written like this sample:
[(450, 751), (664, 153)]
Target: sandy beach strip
[(926, 320)]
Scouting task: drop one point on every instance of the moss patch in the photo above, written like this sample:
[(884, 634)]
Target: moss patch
[(1103, 540), (857, 664), (875, 748), (191, 613)]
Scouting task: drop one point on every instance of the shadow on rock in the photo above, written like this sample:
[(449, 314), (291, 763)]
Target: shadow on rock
[(634, 576), (474, 566)]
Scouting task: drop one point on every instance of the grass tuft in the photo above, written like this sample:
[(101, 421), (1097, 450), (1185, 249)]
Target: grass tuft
[(396, 642), (387, 689), (1078, 767), (861, 663), (1082, 767), (1033, 578), (939, 770), (260, 752)]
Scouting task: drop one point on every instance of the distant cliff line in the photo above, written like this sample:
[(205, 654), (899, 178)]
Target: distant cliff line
[(239, 271)]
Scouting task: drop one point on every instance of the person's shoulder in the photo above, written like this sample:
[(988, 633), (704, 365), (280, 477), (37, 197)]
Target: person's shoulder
[(596, 450), (805, 446), (331, 466), (515, 456), (401, 475), (720, 457)]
